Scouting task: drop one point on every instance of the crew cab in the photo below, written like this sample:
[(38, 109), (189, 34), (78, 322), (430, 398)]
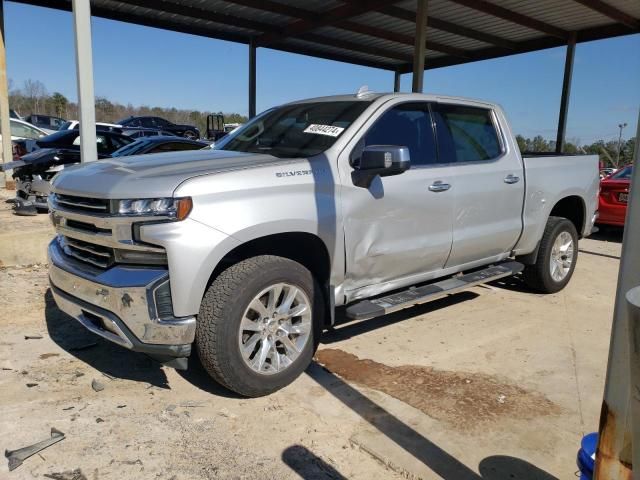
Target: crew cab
[(368, 203)]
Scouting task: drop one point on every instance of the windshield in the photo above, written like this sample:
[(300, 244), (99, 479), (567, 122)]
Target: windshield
[(300, 130), (131, 149), (624, 174)]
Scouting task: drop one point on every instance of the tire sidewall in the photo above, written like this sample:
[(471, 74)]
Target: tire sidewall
[(281, 270), (552, 285)]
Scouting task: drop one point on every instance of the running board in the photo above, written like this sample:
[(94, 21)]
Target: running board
[(417, 295)]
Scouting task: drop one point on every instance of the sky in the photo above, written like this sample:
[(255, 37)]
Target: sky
[(147, 66)]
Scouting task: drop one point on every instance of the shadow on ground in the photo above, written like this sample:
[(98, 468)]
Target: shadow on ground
[(608, 234), (117, 361), (431, 455), (514, 283), (308, 465), (100, 354)]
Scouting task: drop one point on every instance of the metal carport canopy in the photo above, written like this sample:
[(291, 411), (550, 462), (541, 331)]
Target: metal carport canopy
[(381, 34)]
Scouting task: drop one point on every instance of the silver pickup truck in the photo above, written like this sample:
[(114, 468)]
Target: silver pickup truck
[(370, 202)]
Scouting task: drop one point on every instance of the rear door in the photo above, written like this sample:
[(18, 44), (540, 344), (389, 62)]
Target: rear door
[(487, 180), (398, 229)]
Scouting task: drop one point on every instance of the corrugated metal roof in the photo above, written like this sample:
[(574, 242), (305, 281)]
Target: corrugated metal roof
[(378, 33)]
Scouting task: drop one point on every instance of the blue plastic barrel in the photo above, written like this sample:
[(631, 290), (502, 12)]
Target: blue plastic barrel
[(586, 456)]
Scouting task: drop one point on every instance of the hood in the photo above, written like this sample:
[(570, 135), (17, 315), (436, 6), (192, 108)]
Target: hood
[(151, 175)]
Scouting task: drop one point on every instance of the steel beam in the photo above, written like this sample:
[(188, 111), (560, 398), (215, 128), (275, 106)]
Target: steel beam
[(252, 79), (566, 93), (419, 48), (84, 69), (5, 121), (514, 17), (396, 81), (616, 443), (612, 12)]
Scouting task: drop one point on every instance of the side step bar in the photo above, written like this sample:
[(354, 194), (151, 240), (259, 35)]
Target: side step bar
[(417, 295)]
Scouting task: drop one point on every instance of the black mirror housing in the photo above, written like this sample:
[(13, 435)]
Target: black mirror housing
[(383, 160)]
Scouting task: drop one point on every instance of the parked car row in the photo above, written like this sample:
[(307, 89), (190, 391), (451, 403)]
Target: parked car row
[(614, 196), (52, 153)]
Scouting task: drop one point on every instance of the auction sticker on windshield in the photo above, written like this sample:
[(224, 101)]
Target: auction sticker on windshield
[(328, 130)]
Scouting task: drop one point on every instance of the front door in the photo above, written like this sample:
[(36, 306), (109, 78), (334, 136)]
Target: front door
[(400, 228)]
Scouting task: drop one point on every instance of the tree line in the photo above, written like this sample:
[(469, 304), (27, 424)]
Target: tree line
[(33, 97), (608, 151)]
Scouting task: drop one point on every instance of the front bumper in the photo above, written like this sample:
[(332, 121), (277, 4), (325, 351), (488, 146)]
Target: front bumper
[(119, 305)]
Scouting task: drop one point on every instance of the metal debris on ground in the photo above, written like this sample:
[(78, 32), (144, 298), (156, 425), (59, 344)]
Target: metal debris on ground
[(33, 337), (67, 475), (29, 385), (96, 385), (16, 457), (44, 356)]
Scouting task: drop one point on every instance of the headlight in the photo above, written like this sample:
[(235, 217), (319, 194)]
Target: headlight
[(175, 208)]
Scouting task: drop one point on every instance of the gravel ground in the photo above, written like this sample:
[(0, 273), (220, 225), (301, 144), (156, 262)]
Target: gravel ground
[(441, 390)]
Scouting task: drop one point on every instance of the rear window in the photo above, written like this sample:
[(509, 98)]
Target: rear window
[(624, 174), (466, 134)]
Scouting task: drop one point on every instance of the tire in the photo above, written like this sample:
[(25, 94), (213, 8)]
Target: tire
[(190, 135), (539, 275), (226, 306)]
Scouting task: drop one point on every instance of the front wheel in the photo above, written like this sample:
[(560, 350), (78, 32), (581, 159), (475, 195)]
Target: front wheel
[(258, 324), (556, 258), (191, 135)]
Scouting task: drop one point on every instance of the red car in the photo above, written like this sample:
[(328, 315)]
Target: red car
[(614, 194)]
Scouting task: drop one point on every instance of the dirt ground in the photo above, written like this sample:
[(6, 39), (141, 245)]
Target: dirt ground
[(493, 383)]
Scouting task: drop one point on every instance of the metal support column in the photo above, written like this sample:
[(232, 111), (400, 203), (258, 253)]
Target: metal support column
[(616, 442), (84, 69), (252, 79), (566, 92), (5, 122), (396, 81), (419, 47)]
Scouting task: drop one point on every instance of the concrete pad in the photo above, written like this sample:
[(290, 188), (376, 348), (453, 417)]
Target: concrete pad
[(154, 422), (23, 240)]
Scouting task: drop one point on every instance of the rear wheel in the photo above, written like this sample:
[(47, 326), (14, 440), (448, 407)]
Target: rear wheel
[(258, 324), (190, 135), (556, 258)]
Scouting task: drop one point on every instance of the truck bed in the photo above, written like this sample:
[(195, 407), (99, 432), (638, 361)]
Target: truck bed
[(549, 178)]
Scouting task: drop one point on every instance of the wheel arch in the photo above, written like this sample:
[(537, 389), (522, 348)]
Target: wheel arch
[(303, 247), (573, 208)]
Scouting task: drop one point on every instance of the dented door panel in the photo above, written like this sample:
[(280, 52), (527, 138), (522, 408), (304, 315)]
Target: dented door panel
[(396, 228)]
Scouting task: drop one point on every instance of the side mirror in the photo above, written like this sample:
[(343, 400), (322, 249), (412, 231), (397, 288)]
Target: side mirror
[(383, 160)]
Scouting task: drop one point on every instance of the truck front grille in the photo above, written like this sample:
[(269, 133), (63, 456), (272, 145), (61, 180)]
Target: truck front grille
[(81, 204), (96, 255)]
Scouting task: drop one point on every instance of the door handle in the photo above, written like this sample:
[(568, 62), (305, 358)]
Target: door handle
[(511, 178), (439, 186)]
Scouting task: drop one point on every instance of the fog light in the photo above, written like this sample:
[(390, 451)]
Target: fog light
[(164, 305)]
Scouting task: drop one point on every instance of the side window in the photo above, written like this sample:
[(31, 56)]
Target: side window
[(119, 142), (465, 134), (160, 122), (24, 131), (174, 147), (102, 144), (147, 122), (407, 125)]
